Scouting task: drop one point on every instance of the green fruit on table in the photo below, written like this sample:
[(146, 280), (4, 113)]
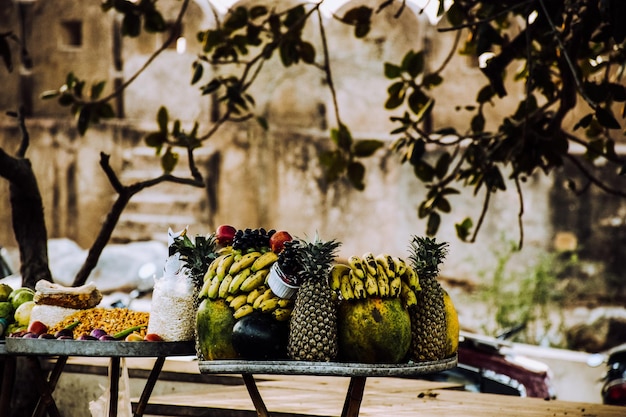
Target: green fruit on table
[(5, 291), (214, 330), (14, 328), (22, 313), (373, 330), (20, 296), (6, 310)]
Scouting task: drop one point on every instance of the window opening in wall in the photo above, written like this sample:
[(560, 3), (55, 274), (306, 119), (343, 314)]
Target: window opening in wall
[(72, 33)]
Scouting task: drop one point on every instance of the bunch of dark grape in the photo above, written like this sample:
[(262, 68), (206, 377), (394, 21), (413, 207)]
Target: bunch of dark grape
[(252, 239), (288, 260)]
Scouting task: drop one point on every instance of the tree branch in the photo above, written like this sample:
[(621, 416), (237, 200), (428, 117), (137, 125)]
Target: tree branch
[(125, 193)]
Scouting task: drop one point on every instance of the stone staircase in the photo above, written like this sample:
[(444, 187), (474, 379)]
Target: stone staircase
[(152, 211)]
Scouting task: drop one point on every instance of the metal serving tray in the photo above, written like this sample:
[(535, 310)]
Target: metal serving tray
[(97, 348), (325, 368)]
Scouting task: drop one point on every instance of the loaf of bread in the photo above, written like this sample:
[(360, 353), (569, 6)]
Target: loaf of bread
[(49, 293)]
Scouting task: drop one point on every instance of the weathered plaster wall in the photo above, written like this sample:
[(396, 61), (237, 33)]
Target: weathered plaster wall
[(266, 178)]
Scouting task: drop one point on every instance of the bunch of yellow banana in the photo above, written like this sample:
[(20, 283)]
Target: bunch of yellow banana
[(241, 280), (260, 299), (381, 276)]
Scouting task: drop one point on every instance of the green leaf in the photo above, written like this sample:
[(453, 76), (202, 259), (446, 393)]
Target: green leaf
[(418, 149), (198, 70), (46, 95), (443, 205), (605, 118), (66, 99), (212, 86), (169, 160), (131, 25), (333, 163), (356, 174), (419, 116), (442, 165), (396, 97), (478, 123), (155, 140), (162, 119), (485, 94), (365, 148), (84, 117), (361, 30), (584, 122), (395, 88), (105, 110), (494, 180), (463, 229), (307, 52), (358, 15), (455, 14), (237, 19), (258, 11), (97, 89), (432, 80), (618, 92), (342, 137), (262, 121), (424, 171), (392, 71), (415, 64), (154, 22), (434, 220)]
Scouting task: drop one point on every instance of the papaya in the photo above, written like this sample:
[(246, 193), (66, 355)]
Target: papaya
[(373, 330), (452, 325), (214, 330)]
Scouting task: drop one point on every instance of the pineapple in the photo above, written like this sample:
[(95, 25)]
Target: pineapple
[(428, 317), (196, 255), (313, 326)]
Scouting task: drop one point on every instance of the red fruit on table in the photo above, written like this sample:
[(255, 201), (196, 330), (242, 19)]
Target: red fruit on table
[(278, 239), (153, 337), (225, 234), (37, 327)]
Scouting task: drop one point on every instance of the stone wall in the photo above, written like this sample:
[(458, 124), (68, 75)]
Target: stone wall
[(270, 178)]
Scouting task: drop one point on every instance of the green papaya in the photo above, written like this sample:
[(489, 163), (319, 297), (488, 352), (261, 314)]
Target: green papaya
[(373, 330), (214, 330)]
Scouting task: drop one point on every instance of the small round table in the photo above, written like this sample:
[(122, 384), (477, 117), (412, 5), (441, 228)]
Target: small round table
[(34, 349), (357, 372)]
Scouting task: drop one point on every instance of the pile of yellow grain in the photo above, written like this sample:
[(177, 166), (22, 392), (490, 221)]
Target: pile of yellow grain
[(111, 320)]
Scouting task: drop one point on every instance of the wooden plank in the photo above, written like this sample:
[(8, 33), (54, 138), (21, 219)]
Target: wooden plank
[(451, 403), (324, 396)]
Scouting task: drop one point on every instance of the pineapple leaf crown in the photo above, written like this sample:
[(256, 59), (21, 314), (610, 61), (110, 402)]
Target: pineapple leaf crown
[(196, 255), (315, 258), (426, 255)]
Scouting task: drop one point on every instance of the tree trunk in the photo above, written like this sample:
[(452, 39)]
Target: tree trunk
[(28, 219)]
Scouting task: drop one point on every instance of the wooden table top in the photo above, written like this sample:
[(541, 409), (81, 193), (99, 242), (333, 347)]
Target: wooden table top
[(383, 396)]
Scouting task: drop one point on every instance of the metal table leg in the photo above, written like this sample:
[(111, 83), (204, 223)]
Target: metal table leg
[(114, 377), (354, 397), (8, 380), (259, 405), (46, 386), (147, 390)]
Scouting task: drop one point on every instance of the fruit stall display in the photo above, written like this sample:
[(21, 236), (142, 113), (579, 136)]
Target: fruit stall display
[(264, 295), (269, 296)]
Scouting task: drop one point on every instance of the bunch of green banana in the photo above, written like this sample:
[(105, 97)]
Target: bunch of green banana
[(241, 280), (381, 276)]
